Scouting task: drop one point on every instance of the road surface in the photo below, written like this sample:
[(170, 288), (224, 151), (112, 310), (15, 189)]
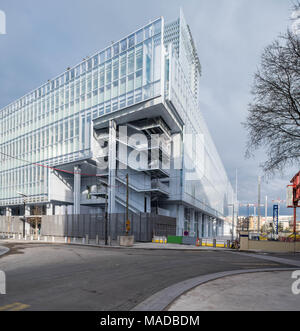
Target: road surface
[(60, 277)]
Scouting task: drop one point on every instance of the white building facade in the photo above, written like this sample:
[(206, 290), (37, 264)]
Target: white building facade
[(130, 111)]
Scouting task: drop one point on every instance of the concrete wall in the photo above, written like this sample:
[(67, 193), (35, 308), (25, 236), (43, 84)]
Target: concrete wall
[(268, 246), (273, 246)]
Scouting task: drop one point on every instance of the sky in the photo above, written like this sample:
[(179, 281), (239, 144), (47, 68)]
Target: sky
[(45, 37)]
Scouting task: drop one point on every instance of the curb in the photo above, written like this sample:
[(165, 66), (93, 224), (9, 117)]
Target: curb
[(163, 299), (119, 247), (4, 250)]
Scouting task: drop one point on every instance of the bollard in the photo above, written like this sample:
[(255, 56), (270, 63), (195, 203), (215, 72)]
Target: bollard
[(83, 241), (39, 238), (228, 243), (74, 240), (87, 239), (66, 240), (46, 239), (97, 239), (215, 243), (53, 239), (31, 238)]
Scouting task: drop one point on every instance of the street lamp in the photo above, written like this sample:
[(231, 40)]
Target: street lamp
[(232, 205), (24, 219)]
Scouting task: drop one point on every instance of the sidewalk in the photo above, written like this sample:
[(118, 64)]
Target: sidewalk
[(114, 244), (266, 291)]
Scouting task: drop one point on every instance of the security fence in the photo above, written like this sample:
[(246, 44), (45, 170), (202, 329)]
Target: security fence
[(143, 226), (11, 224)]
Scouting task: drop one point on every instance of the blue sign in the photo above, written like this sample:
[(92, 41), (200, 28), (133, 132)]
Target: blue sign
[(276, 217)]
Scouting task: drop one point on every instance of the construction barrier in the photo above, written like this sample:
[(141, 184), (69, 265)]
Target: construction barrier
[(160, 240), (175, 240)]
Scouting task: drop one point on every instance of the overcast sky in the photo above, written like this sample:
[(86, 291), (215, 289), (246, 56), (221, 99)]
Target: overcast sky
[(45, 37)]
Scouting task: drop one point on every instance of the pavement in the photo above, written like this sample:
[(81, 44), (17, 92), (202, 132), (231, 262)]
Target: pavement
[(266, 291), (72, 277), (114, 244)]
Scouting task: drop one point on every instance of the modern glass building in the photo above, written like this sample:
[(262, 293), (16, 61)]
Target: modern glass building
[(131, 109)]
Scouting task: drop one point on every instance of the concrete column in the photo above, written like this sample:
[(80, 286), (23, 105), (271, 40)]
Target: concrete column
[(192, 232), (70, 210), (180, 220), (206, 227), (49, 209), (210, 227), (27, 210), (77, 188), (8, 211), (64, 210), (200, 220), (112, 165), (27, 225)]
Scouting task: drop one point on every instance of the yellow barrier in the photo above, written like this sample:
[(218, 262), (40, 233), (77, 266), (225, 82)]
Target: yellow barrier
[(159, 240)]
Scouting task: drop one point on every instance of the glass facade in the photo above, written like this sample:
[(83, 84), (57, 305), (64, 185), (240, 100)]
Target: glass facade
[(52, 125), (205, 184)]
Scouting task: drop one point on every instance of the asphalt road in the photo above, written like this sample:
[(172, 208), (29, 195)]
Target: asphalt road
[(59, 277)]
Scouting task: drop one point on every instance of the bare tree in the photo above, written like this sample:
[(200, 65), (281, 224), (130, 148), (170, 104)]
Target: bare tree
[(273, 121)]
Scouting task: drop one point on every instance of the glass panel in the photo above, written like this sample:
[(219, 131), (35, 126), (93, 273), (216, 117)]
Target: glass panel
[(108, 54), (116, 70), (147, 32), (101, 95), (115, 89), (122, 101), (130, 83), (139, 79), (95, 61), (102, 57), (138, 95), (157, 27), (131, 41), (108, 73), (102, 75), (89, 65), (123, 86), (123, 45), (139, 57), (130, 62), (108, 92), (116, 49), (139, 36), (123, 65)]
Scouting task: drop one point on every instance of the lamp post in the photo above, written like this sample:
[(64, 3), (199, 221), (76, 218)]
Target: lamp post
[(232, 205), (24, 219)]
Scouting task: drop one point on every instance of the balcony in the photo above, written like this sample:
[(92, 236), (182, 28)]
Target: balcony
[(158, 170), (160, 188)]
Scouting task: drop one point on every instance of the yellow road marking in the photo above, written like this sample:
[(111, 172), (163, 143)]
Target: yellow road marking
[(17, 306), (20, 307)]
